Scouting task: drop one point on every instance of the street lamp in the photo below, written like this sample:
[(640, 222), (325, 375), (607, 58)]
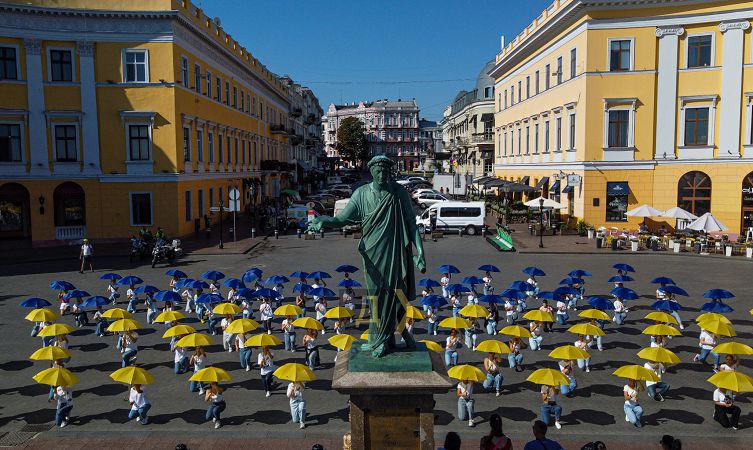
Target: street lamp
[(541, 222)]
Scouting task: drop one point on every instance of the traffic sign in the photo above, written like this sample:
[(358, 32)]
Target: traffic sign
[(233, 194), (233, 205), (214, 209), (311, 215)]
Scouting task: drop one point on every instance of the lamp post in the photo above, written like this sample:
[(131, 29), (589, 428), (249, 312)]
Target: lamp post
[(541, 222)]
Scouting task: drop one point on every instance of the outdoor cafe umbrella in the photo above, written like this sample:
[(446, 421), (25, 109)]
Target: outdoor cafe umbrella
[(644, 211), (707, 223), (548, 203), (679, 213)]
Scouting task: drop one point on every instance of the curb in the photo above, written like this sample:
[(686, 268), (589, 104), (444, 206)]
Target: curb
[(692, 255)]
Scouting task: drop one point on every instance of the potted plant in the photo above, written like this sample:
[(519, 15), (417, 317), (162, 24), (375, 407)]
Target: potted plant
[(582, 227)]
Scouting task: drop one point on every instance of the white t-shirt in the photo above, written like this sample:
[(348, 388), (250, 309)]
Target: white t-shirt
[(709, 338), (561, 307), (727, 367), (509, 308), (240, 339), (180, 353), (268, 364), (432, 316), (532, 282), (266, 311), (138, 399), (657, 368), (314, 286), (466, 390), (320, 310), (130, 344), (224, 323), (618, 306), (65, 398), (451, 343), (287, 325), (632, 393), (199, 362), (551, 393), (86, 249), (721, 397)]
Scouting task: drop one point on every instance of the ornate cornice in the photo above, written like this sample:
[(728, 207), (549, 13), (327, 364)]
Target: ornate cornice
[(669, 30), (85, 49), (734, 25), (33, 46)]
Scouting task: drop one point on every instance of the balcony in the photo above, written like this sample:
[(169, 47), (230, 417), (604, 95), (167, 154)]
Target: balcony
[(70, 233), (277, 128), (295, 112), (296, 139), (311, 119), (482, 138)]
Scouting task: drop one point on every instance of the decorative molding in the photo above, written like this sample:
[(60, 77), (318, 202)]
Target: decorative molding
[(734, 25), (33, 46), (11, 113), (85, 49), (674, 30), (66, 114), (142, 115)]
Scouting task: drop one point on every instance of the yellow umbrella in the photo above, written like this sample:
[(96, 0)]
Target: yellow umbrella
[(433, 346), (338, 312), (661, 330), (636, 372), (42, 315), (455, 322), (51, 353), (365, 335), (227, 308), (294, 372), (178, 330), (288, 310), (492, 346), (132, 375), (194, 340), (588, 329), (466, 372), (660, 316), (538, 315), (342, 341), (240, 326), (714, 326), (263, 340), (124, 325), (117, 313), (569, 352), (56, 376), (548, 377), (732, 380), (733, 348), (211, 374), (56, 329), (712, 316), (475, 311), (414, 313), (308, 322), (594, 314), (659, 354), (169, 316), (515, 330)]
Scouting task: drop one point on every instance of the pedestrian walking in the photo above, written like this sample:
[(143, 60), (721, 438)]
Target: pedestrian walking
[(496, 439), (129, 349), (132, 298), (297, 403), (725, 410), (466, 402), (151, 307), (64, 397), (536, 328), (190, 298), (244, 352), (444, 282), (633, 409), (227, 338), (288, 330), (112, 291), (656, 389), (46, 340), (312, 348), (198, 361), (58, 363), (515, 357), (211, 322), (140, 404), (266, 313), (321, 310), (450, 348), (492, 365), (266, 366), (216, 401), (431, 318), (549, 406), (86, 255), (597, 339)]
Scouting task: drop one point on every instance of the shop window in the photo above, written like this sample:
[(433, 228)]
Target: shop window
[(617, 201), (747, 203), (694, 193)]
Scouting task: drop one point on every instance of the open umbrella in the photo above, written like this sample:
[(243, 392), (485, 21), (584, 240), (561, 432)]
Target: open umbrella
[(466, 372), (620, 279), (183, 283), (319, 275), (210, 375), (666, 305), (227, 308), (132, 375), (644, 211), (601, 303), (233, 283), (565, 290), (662, 280), (130, 280), (414, 313), (194, 340), (167, 296), (301, 287), (579, 273), (321, 292), (428, 282), (718, 294), (117, 313), (733, 348), (474, 311), (448, 268), (110, 276), (553, 296), (76, 293), (587, 329), (97, 300), (716, 307), (146, 289), (294, 372), (213, 275), (42, 315), (50, 353), (733, 380), (241, 326), (274, 280), (624, 293), (56, 329), (349, 283), (300, 274), (569, 352), (491, 299), (659, 354), (288, 310), (263, 340), (435, 301), (176, 273), (515, 330), (534, 271), (56, 376), (571, 280), (455, 322), (338, 312), (433, 346), (169, 316), (457, 288), (342, 341), (178, 330), (365, 335), (679, 213), (308, 323), (209, 299), (594, 314), (674, 290), (60, 285), (472, 280), (712, 316), (35, 302), (488, 268), (707, 223), (660, 316), (636, 372), (123, 325), (250, 277), (513, 294), (521, 286), (492, 346), (661, 330), (196, 284), (548, 203), (548, 377), (246, 293), (623, 267), (718, 327), (346, 268), (538, 316)]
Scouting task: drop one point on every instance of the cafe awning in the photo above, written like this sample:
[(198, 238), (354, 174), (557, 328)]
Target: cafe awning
[(568, 189), (541, 183), (525, 180), (555, 187), (487, 117)]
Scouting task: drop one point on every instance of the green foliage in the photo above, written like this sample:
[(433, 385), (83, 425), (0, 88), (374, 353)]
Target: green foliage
[(582, 227), (351, 141)]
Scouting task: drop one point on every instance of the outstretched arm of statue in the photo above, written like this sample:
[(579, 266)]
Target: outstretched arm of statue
[(418, 258), (348, 216)]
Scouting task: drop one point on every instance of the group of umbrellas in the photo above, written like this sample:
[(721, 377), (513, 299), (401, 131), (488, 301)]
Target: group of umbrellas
[(706, 222)]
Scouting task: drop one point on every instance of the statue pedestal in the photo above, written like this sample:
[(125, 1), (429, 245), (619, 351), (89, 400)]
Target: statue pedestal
[(391, 398)]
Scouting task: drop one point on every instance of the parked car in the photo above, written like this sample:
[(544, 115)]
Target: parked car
[(468, 216), (427, 199), (341, 187), (318, 206), (327, 200), (417, 192)]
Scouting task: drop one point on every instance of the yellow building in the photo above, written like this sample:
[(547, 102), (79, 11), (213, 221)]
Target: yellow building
[(605, 106), (120, 114)]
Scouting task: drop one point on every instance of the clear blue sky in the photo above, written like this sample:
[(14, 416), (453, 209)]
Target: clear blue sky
[(367, 49)]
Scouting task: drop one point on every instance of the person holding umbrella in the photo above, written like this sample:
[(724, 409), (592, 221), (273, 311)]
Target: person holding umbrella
[(451, 346), (725, 410), (243, 350), (321, 311), (656, 389), (633, 409), (216, 401), (549, 406), (444, 281), (64, 397), (583, 343), (140, 404), (101, 322), (312, 349), (267, 367), (431, 318), (566, 367), (707, 341), (128, 347), (492, 364), (536, 328), (181, 360), (266, 313), (466, 402), (297, 402), (515, 357), (198, 361)]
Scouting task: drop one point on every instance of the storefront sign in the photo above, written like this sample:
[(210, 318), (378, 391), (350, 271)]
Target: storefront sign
[(573, 180)]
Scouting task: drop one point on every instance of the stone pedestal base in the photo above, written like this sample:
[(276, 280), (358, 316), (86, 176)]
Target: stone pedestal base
[(391, 398)]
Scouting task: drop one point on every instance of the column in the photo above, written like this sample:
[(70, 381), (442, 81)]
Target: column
[(90, 117), (40, 161), (666, 91), (732, 78)]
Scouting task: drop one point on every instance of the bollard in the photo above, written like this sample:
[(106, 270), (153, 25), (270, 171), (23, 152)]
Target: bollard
[(253, 232), (343, 232), (460, 232), (277, 234), (298, 232), (483, 231), (321, 233)]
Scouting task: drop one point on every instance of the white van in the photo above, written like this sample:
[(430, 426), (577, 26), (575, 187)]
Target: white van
[(298, 216), (339, 207), (468, 216)]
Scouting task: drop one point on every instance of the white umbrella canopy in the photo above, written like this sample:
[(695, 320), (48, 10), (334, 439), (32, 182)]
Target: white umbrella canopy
[(679, 213), (707, 223), (548, 203), (644, 211)]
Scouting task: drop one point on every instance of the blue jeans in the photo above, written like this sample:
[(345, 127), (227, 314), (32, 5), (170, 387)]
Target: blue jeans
[(450, 358), (547, 411), (488, 290), (470, 338), (298, 410), (432, 327), (522, 306), (246, 313), (567, 389), (151, 313), (290, 341), (465, 409), (455, 311), (535, 342), (312, 358), (515, 359), (131, 308), (47, 341), (676, 315), (705, 353), (511, 318), (215, 409), (195, 386), (212, 326), (597, 340), (495, 379), (634, 414), (266, 381), (573, 302), (101, 328), (141, 413), (128, 356), (562, 318), (62, 413), (181, 365), (583, 363), (245, 356), (491, 327), (659, 387), (619, 318)]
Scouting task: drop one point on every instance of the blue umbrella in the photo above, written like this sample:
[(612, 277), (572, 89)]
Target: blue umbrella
[(572, 280), (209, 298), (624, 267), (620, 279), (491, 298), (346, 268), (513, 294), (146, 289), (35, 302), (97, 300), (110, 276), (472, 280), (601, 303), (447, 268), (60, 285), (457, 288), (244, 293), (435, 301), (276, 279), (521, 286), (489, 268), (197, 284), (718, 294), (265, 292), (319, 275), (534, 271), (233, 283), (666, 305), (624, 293), (579, 273), (428, 282), (176, 273), (130, 280), (676, 290), (565, 290), (663, 280), (251, 277), (546, 295), (301, 287), (716, 307), (77, 293), (183, 282), (213, 275), (321, 292), (167, 296), (299, 274), (349, 283)]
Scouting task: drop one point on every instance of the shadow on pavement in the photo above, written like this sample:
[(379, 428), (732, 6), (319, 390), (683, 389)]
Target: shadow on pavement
[(111, 389), (89, 347), (588, 416), (664, 415), (195, 416), (115, 416), (268, 417), (322, 419), (15, 365)]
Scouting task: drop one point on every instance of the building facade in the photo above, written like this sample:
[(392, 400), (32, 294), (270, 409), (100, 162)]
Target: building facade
[(113, 119), (430, 144), (468, 128), (391, 129), (605, 106)]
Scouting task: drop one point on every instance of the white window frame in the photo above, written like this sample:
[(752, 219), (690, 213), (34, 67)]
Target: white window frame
[(197, 78), (708, 101), (208, 83), (748, 142), (713, 50), (573, 66), (184, 75), (124, 52), (19, 74), (199, 144), (618, 104), (21, 136), (128, 126), (130, 207), (77, 142), (609, 53), (49, 51)]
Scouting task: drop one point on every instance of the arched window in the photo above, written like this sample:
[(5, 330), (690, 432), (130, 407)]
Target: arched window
[(747, 203), (70, 205), (694, 193)]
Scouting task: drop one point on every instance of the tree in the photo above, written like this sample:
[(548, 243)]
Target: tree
[(351, 141)]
